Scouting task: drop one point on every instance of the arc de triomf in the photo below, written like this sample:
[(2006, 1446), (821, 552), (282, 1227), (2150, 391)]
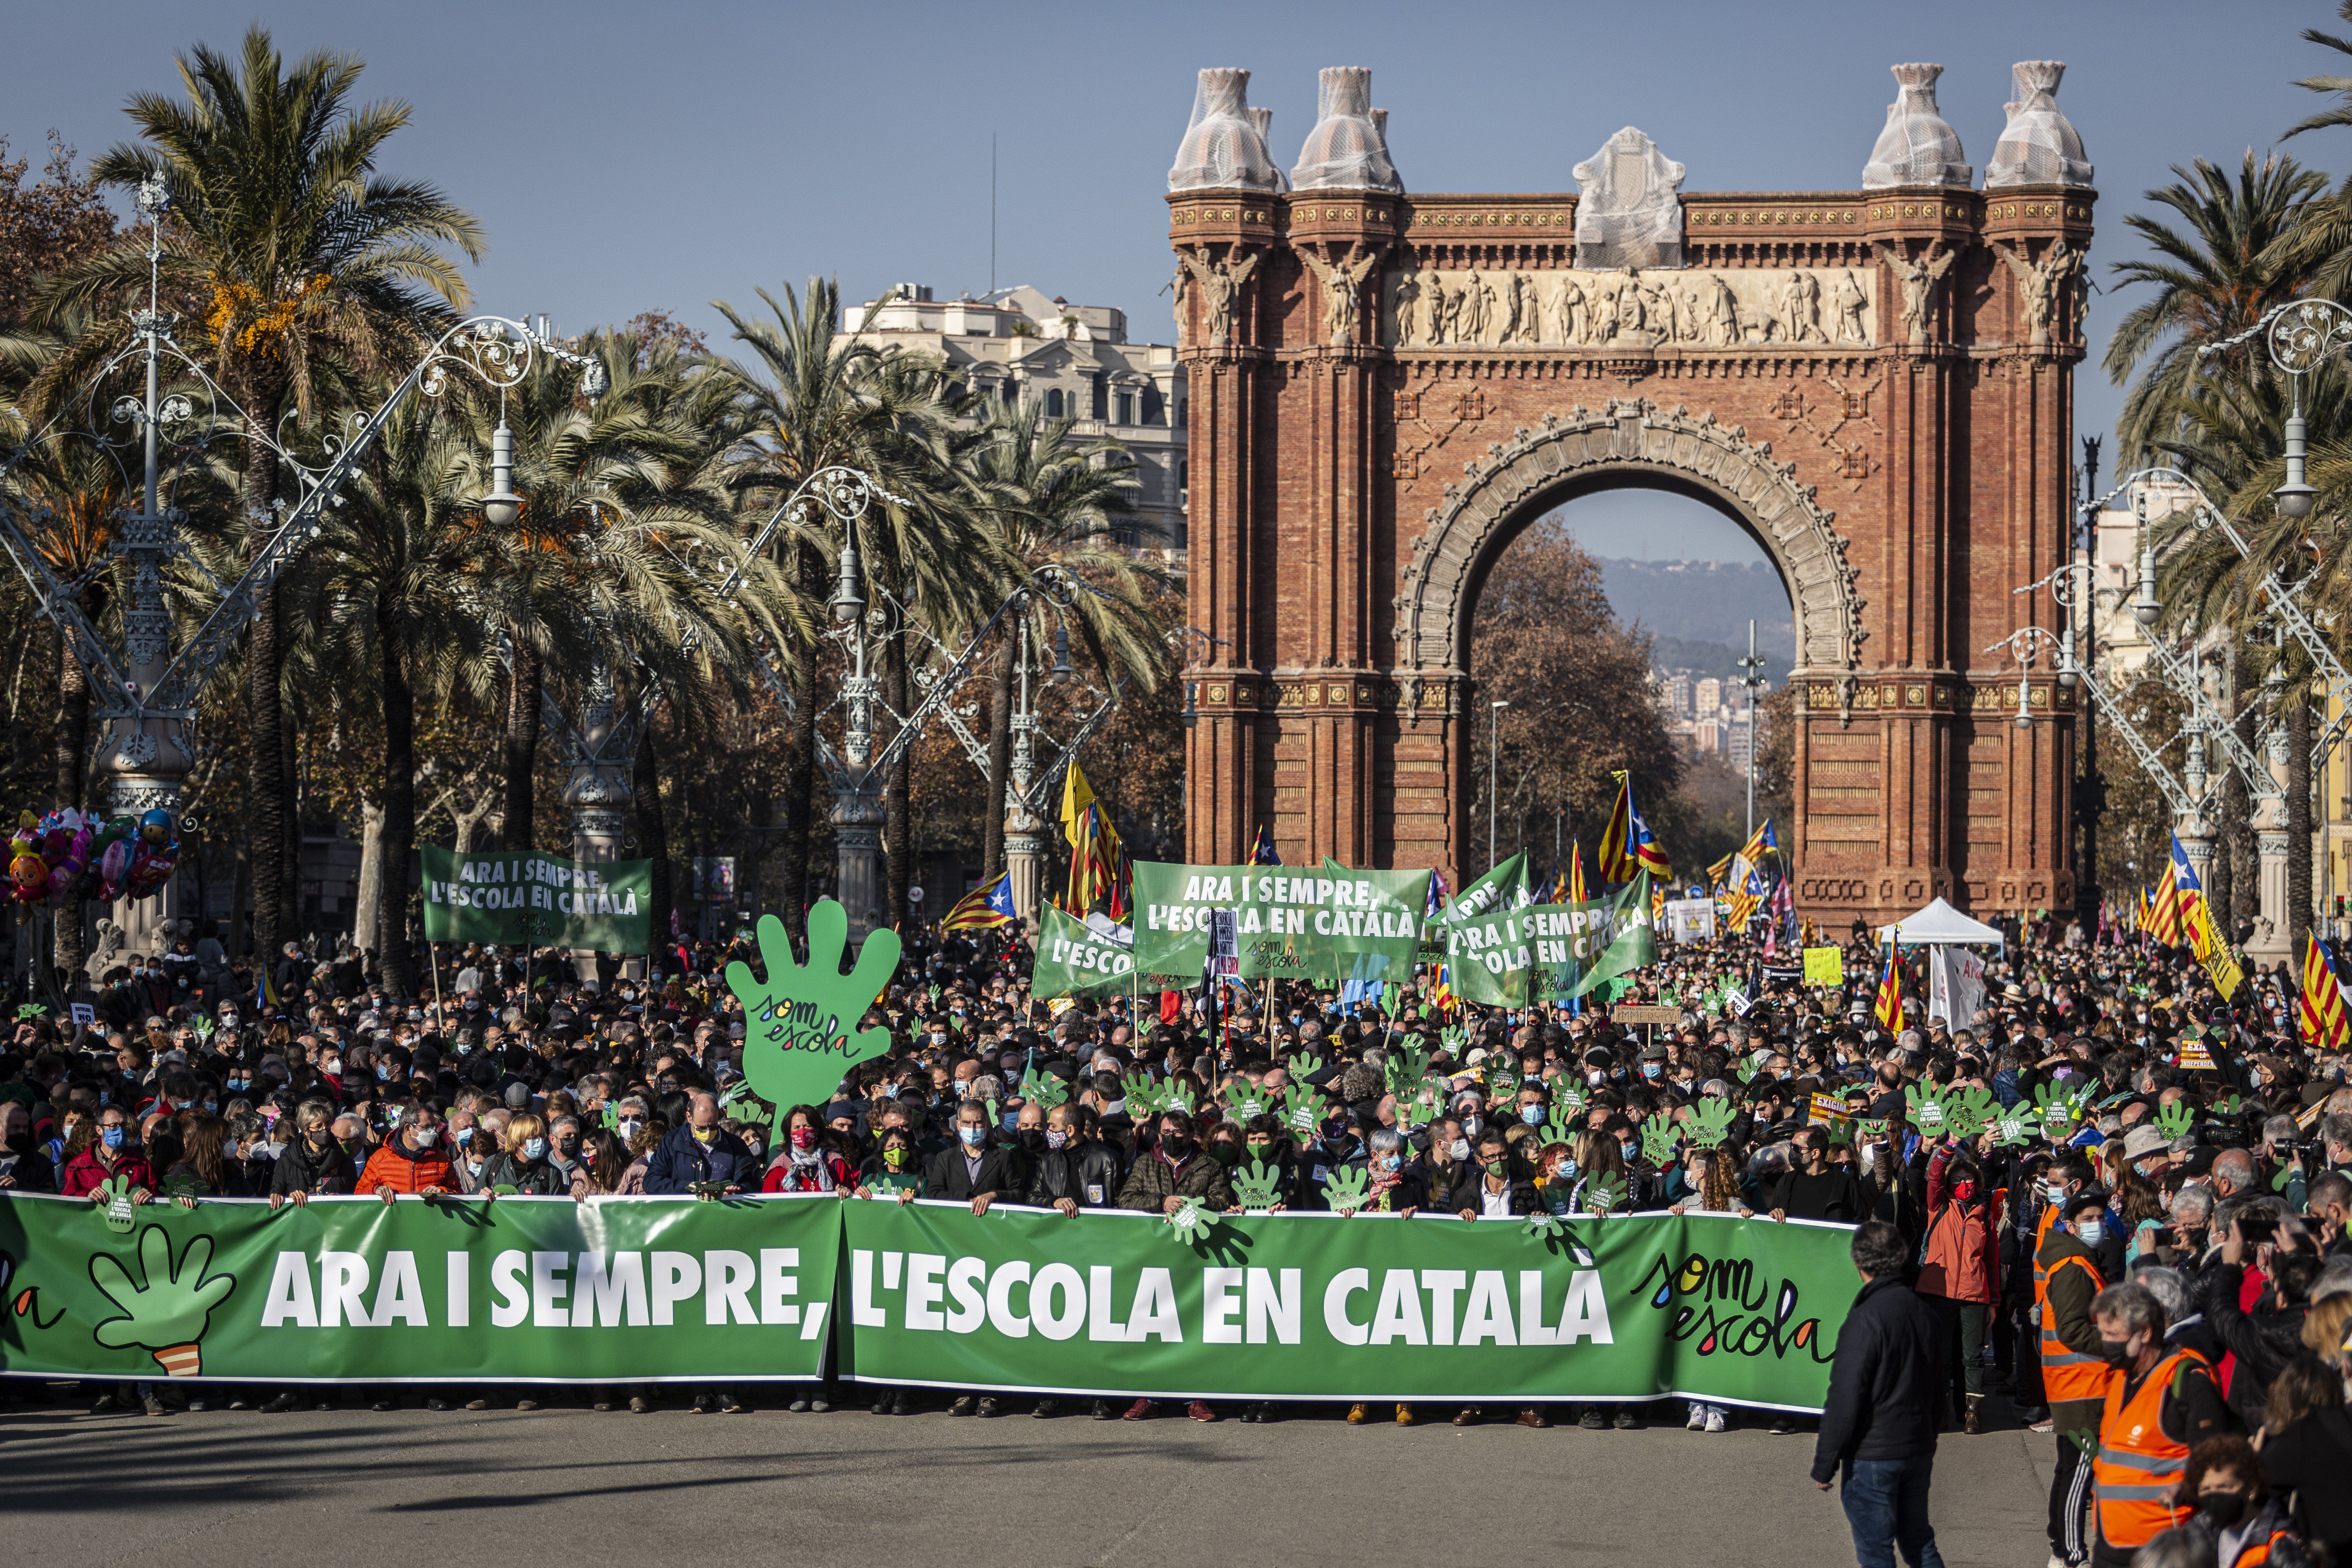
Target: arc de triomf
[(1877, 384)]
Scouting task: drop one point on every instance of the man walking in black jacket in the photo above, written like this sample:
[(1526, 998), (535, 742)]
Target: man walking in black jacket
[(1884, 1404)]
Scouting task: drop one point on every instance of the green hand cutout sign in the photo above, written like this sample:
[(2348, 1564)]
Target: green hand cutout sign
[(166, 1312), (1710, 1122), (1659, 1136), (797, 1038), (2175, 1120), (1257, 1185), (117, 1211), (1347, 1189)]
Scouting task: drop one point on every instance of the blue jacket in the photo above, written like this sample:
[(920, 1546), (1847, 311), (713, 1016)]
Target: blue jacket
[(681, 1161)]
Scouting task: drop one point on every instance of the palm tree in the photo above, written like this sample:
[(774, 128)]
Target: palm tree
[(2213, 277), (2320, 245), (392, 566), (316, 273), (1046, 499), (808, 402)]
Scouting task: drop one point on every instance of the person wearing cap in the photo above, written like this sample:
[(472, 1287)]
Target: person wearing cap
[(2159, 1401), (2073, 1369)]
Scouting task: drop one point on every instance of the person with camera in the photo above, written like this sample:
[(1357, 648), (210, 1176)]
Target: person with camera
[(2267, 1338)]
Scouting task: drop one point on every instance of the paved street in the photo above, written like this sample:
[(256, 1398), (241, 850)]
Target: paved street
[(849, 1489)]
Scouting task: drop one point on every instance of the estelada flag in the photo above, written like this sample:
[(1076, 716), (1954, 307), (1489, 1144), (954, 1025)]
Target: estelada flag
[(1576, 893), (2324, 1026), (986, 907), (1263, 852), (1889, 1004), (1626, 847)]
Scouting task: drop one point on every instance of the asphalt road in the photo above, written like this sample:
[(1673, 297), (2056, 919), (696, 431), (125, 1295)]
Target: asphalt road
[(353, 1487)]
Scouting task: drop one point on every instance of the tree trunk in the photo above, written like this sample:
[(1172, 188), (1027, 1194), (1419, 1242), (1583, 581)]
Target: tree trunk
[(515, 829), (394, 950), (897, 819), (2298, 827), (368, 916), (653, 836), (999, 756), (289, 905), (268, 788)]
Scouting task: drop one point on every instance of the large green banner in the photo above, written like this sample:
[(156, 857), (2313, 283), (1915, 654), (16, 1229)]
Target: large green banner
[(523, 896), (1535, 953), (1076, 960), (1314, 1306), (1329, 924), (1306, 1306), (516, 1290)]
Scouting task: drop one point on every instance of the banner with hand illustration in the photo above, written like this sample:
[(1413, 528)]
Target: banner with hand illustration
[(1258, 1305)]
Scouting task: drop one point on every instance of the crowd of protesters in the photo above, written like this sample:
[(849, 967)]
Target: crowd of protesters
[(2171, 1262)]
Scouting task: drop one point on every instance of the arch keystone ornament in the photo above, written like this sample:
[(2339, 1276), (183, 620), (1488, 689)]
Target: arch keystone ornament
[(1877, 385)]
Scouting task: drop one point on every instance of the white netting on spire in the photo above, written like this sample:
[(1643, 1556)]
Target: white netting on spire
[(1345, 150), (1629, 211), (1224, 149), (2039, 146), (1917, 146)]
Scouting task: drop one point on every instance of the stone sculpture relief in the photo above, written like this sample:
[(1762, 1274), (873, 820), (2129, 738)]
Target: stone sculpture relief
[(1919, 276), (1831, 306), (1341, 281), (2047, 286), (1220, 283)]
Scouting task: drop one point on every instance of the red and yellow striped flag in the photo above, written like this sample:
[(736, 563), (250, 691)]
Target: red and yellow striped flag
[(2164, 910), (1889, 1006), (2325, 1027)]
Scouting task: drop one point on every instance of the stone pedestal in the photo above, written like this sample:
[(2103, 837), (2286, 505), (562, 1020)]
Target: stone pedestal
[(1024, 860), (857, 818), (2269, 942)]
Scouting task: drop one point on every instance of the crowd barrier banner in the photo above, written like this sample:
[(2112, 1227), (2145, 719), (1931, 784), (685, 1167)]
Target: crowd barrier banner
[(1321, 1307), (669, 1290), (355, 1290)]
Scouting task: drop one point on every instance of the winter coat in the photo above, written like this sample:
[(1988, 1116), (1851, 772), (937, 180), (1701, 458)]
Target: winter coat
[(2263, 1341), (405, 1170), (828, 1172), (1155, 1179), (950, 1175), (1469, 1194), (318, 1171), (529, 1178), (1888, 1385), (1085, 1173), (681, 1160), (1961, 1260), (84, 1176)]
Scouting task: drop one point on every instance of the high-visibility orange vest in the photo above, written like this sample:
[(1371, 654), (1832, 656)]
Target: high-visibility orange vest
[(2042, 1234), (2256, 1554), (2065, 1373), (2138, 1466)]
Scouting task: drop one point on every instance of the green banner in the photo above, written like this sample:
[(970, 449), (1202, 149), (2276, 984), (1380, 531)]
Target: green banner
[(523, 896), (1537, 954), (1322, 1307), (1306, 1306), (1290, 923), (518, 1290), (1076, 960)]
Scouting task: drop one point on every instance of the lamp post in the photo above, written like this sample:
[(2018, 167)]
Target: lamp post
[(1750, 680), (144, 693), (1494, 746), (2091, 793)]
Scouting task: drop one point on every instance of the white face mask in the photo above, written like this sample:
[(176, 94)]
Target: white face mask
[(427, 1137), (2090, 1232)]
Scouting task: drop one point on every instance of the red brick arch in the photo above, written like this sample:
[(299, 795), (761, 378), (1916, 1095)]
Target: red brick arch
[(1904, 460)]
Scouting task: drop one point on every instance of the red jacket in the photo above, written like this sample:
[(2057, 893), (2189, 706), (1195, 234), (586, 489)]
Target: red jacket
[(84, 1174), (406, 1172), (1961, 1260)]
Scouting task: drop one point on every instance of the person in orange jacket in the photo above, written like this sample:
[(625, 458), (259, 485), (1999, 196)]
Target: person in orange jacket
[(2161, 1403), (1959, 1272), (412, 1160), (2073, 1376)]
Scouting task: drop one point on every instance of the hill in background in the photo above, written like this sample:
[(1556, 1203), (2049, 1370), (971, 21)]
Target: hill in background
[(1699, 612)]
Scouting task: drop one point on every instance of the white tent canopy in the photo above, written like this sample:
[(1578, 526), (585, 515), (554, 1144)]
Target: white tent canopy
[(1939, 924)]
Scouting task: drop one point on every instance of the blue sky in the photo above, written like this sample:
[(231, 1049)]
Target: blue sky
[(628, 157)]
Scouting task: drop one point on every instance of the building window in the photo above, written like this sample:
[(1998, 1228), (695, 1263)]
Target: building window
[(1008, 393), (1155, 406), (1102, 397), (1054, 403), (1127, 408)]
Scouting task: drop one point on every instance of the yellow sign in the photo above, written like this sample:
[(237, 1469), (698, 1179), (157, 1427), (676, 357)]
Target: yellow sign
[(1824, 966), (1828, 1110)]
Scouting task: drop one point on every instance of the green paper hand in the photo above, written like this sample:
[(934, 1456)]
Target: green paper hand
[(1710, 1122), (1604, 1194), (1188, 1221), (2175, 1120), (1043, 1089), (1927, 1108), (1347, 1189), (1970, 1112), (1303, 1067), (797, 1038), (1560, 1126), (164, 1314), (1245, 1099), (1303, 1108), (1658, 1137), (2016, 1127), (1257, 1185)]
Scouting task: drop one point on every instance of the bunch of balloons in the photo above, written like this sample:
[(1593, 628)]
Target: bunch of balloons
[(70, 854)]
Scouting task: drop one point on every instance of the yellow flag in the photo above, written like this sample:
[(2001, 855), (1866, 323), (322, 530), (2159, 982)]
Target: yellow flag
[(1076, 796)]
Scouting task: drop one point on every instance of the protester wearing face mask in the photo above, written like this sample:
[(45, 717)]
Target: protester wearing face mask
[(2073, 1368), (107, 1152), (313, 1162), (1070, 1170), (1959, 1272), (414, 1160), (700, 1153), (2159, 1401), (804, 1164), (976, 1168), (24, 1167)]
